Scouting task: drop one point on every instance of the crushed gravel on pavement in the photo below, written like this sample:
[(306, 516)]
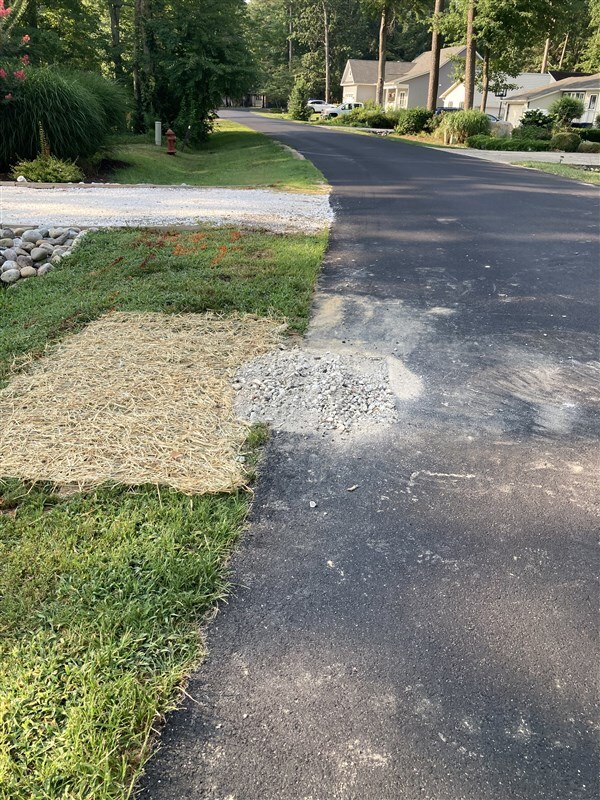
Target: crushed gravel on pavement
[(144, 206), (308, 391)]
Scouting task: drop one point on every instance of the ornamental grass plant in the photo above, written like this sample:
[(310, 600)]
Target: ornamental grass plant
[(76, 110)]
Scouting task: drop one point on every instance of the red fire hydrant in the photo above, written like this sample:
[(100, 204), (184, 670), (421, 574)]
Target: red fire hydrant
[(171, 139)]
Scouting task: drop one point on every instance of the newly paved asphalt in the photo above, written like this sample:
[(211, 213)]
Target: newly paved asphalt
[(431, 635)]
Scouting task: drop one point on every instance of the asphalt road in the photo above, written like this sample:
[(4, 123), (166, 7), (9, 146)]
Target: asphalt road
[(433, 634)]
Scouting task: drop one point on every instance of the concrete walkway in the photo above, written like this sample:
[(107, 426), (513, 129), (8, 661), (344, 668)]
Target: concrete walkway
[(501, 157), (430, 634)]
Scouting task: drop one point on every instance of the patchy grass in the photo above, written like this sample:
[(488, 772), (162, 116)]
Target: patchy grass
[(175, 272), (101, 596), (571, 171), (233, 156)]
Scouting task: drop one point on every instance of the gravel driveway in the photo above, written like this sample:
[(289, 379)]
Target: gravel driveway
[(113, 206)]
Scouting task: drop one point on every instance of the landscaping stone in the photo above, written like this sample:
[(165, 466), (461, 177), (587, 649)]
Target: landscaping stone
[(10, 276), (39, 254), (34, 251), (31, 236)]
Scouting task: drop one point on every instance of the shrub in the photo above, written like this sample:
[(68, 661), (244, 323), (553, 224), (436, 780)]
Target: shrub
[(436, 122), (590, 134), (75, 121), (481, 142), (589, 147), (597, 121), (531, 132), (413, 120), (370, 116), (462, 124), (299, 97), (535, 118), (569, 142), (47, 169), (565, 110)]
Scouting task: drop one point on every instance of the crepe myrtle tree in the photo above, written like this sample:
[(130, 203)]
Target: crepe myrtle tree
[(14, 58)]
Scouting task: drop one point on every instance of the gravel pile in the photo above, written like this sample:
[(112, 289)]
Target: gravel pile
[(305, 391), (122, 206), (31, 252)]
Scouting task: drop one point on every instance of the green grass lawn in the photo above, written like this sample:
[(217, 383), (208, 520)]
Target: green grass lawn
[(100, 597), (563, 170), (233, 156), (102, 590), (214, 269)]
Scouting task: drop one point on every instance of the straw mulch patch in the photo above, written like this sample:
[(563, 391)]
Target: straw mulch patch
[(134, 398)]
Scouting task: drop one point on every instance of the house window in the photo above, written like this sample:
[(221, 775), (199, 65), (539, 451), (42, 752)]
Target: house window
[(391, 95), (461, 105), (577, 95), (593, 102), (450, 104), (402, 99)]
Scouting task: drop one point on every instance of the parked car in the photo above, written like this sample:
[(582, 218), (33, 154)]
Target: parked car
[(343, 108), (444, 110), (316, 105), (493, 118)]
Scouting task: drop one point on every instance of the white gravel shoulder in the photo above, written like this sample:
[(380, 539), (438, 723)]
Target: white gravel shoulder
[(123, 206), (314, 391)]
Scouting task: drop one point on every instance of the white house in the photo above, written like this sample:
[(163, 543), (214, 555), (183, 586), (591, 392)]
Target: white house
[(410, 89), (454, 96), (359, 81), (585, 88)]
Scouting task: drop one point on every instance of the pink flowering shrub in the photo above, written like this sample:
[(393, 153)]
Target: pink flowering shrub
[(13, 61)]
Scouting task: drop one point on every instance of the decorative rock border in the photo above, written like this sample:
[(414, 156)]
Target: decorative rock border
[(27, 252)]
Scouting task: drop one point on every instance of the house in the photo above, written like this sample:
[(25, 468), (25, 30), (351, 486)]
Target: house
[(583, 87), (410, 89), (454, 96), (359, 81)]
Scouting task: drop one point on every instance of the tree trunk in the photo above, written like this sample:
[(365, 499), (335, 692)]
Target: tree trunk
[(383, 26), (545, 56), (138, 117), (326, 42), (485, 79), (436, 46), (470, 56), (114, 11), (564, 51), (290, 35)]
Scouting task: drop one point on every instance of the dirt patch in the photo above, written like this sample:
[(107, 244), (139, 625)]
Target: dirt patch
[(135, 398)]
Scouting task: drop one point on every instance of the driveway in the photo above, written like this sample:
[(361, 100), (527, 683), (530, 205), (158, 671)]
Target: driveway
[(114, 206), (431, 634)]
